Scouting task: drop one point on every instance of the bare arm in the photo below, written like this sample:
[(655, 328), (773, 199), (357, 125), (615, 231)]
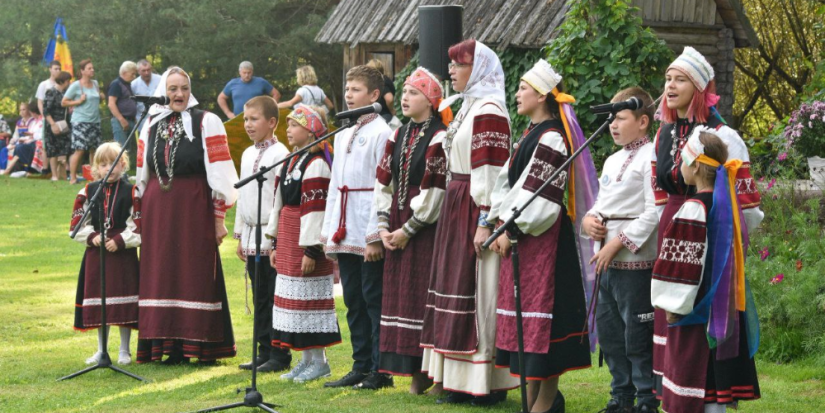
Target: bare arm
[(40, 105), (224, 104), (276, 94), (328, 103), (290, 103), (115, 111)]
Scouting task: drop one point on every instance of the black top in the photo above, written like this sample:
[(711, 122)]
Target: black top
[(418, 163), (528, 144), (118, 203), (389, 87), (668, 170), (189, 155), (291, 191)]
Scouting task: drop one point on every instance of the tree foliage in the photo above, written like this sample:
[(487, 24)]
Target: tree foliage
[(601, 49), (208, 38), (773, 77)]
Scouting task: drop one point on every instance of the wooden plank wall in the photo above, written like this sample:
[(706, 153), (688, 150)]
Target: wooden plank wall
[(700, 12)]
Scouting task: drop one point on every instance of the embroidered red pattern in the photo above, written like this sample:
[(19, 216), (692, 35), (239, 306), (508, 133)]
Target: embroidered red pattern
[(217, 149)]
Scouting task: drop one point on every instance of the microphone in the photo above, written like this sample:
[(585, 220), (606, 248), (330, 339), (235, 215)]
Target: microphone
[(151, 100), (633, 103), (356, 113)]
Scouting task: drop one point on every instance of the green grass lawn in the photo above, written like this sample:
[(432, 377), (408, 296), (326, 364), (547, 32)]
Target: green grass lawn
[(38, 275)]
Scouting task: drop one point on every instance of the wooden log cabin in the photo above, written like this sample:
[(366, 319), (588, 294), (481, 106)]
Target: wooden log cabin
[(388, 30)]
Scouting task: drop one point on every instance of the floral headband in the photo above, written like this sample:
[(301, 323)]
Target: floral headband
[(309, 119)]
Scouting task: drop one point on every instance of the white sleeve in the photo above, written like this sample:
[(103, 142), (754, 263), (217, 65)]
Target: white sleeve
[(271, 230), (384, 186), (220, 171), (377, 154), (314, 189), (426, 206), (638, 231)]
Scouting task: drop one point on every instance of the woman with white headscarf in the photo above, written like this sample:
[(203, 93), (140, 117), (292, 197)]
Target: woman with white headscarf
[(460, 319), (184, 179)]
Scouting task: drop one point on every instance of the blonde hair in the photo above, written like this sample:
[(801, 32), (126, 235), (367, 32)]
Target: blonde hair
[(376, 64), (108, 152), (306, 75)]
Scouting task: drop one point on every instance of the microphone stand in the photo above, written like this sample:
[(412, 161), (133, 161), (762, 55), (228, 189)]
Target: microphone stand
[(96, 203), (253, 397), (510, 223)]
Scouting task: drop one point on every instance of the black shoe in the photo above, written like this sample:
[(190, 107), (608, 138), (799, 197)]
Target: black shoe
[(351, 379), (175, 359), (644, 408), (453, 397), (272, 365), (258, 362), (375, 381), (615, 406), (491, 399), (207, 363)]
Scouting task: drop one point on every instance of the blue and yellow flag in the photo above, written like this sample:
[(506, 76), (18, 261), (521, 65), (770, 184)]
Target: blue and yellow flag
[(58, 48)]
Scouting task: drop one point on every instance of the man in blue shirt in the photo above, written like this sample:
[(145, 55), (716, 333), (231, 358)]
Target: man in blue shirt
[(144, 85), (243, 88)]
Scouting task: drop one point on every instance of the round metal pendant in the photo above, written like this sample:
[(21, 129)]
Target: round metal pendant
[(362, 140), (605, 180), (296, 175)]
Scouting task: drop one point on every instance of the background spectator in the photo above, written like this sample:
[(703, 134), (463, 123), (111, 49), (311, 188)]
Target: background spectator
[(123, 108), (243, 88), (84, 96), (58, 142), (54, 70), (145, 84), (309, 93)]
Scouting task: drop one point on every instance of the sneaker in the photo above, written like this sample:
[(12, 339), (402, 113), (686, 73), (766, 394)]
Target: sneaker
[(351, 379), (18, 174), (374, 381), (615, 406), (95, 358), (295, 370), (124, 358), (314, 371), (644, 408)]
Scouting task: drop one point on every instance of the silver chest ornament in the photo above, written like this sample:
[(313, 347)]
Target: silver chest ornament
[(362, 140), (605, 180)]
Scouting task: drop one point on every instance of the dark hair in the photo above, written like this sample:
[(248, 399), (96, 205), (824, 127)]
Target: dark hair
[(54, 63), (371, 77), (714, 149), (83, 63), (464, 52), (552, 105), (647, 108), (33, 108), (63, 77)]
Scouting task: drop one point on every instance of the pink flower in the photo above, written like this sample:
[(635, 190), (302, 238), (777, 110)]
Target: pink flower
[(762, 179), (778, 279), (771, 184), (782, 156), (764, 253)]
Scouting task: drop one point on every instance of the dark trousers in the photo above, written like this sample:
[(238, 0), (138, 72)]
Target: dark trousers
[(624, 317), (363, 283), (263, 298)]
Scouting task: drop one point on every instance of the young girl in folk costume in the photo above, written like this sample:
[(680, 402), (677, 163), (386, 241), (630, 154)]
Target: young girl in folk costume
[(688, 102), (304, 312), (121, 220), (459, 329), (699, 283), (553, 300), (409, 191)]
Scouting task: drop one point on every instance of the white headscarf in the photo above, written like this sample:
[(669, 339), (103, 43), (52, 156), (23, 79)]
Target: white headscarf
[(158, 112), (486, 81)]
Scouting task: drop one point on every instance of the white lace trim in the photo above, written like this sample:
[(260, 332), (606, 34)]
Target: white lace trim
[(304, 288), (526, 314), (111, 300), (660, 340), (465, 297), (400, 325), (683, 391), (189, 305), (304, 321)]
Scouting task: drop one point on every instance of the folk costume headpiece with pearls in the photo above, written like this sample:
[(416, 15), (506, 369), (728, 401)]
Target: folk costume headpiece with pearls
[(158, 112), (729, 240), (426, 82)]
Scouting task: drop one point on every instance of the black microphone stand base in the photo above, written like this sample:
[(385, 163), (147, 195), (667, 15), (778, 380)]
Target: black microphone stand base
[(104, 363), (252, 399)]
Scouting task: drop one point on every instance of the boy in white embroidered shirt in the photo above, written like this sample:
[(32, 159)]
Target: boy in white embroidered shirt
[(350, 233), (260, 120), (624, 223)]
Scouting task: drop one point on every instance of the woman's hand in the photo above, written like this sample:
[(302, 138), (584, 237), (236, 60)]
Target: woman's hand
[(374, 252), (55, 129), (239, 251), (385, 239), (220, 231), (307, 265), (593, 227), (482, 233), (399, 239), (111, 245), (272, 259), (605, 256), (502, 245)]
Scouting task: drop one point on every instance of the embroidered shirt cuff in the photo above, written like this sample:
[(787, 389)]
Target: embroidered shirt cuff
[(236, 235), (482, 219), (412, 226), (383, 220), (374, 237), (315, 252), (630, 245)]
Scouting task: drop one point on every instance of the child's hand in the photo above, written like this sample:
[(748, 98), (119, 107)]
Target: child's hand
[(239, 251), (593, 227), (96, 241), (399, 239), (482, 233), (272, 259), (374, 252), (307, 265), (385, 239), (502, 245), (111, 245), (672, 318), (605, 256)]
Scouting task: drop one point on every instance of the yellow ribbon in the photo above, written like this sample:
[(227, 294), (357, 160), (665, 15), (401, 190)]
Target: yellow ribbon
[(563, 98), (732, 166)]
